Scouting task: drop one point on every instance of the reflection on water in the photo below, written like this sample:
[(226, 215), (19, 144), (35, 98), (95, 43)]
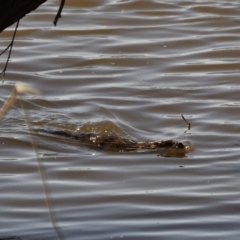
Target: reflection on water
[(132, 66)]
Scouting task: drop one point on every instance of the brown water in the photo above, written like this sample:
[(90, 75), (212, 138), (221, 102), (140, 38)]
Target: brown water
[(129, 67)]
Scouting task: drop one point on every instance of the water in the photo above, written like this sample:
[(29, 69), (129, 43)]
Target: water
[(130, 67)]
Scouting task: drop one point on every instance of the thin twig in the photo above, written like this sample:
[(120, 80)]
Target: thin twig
[(10, 51), (188, 124), (5, 49), (43, 178), (20, 89), (8, 103), (59, 12)]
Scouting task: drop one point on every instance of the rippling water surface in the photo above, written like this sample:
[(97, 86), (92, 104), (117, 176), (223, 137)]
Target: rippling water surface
[(129, 67)]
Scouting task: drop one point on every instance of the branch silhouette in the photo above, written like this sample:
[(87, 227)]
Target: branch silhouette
[(59, 12), (13, 11)]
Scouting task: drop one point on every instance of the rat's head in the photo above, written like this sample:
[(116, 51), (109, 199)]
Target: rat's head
[(169, 144), (171, 148)]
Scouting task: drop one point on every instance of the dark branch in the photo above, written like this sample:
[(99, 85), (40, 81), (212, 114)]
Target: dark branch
[(59, 12), (5, 49), (12, 11), (10, 51)]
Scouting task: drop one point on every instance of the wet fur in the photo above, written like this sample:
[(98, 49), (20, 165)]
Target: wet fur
[(116, 143)]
